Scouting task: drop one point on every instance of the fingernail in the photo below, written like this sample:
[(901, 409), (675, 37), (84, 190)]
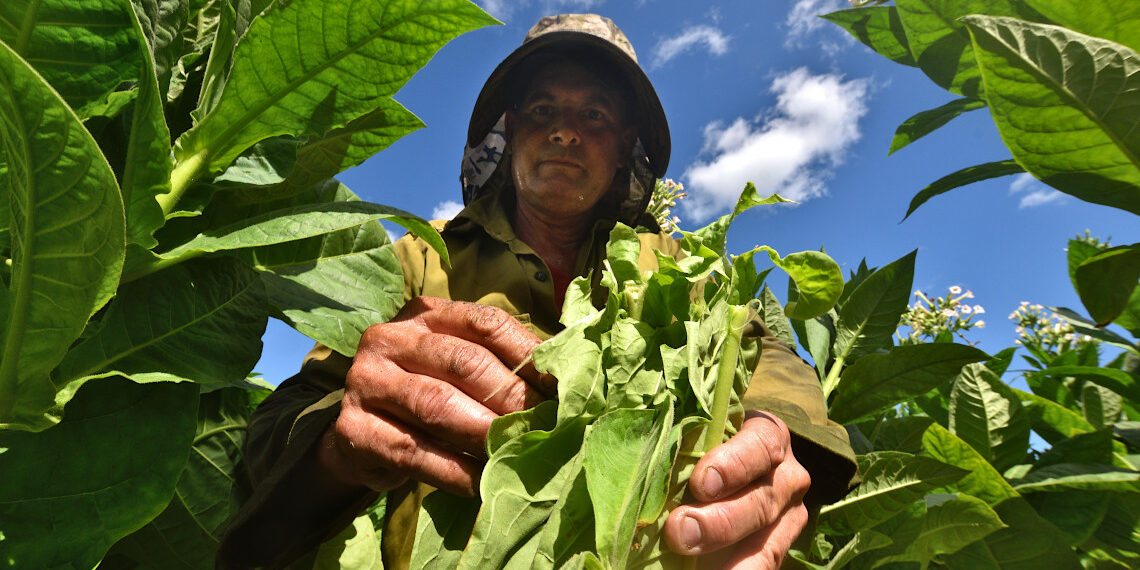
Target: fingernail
[(714, 482), (690, 533)]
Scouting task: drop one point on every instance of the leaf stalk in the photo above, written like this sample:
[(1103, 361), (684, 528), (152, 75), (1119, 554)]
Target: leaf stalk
[(726, 374), (184, 175)]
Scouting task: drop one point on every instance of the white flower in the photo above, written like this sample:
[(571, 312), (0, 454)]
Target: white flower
[(954, 289), (948, 312), (968, 294), (965, 309), (978, 310), (980, 324)]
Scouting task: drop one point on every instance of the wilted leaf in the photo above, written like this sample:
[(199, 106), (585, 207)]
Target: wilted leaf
[(1064, 103), (67, 239)]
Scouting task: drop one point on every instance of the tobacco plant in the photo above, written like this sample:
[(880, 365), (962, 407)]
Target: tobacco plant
[(647, 384), (952, 474), (165, 187)]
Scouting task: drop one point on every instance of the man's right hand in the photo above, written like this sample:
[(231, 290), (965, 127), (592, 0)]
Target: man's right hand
[(421, 394)]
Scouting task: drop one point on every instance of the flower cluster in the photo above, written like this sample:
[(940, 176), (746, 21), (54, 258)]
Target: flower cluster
[(665, 195), (932, 318), (1046, 331)]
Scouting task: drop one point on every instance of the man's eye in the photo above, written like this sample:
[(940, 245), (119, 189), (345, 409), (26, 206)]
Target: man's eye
[(541, 110), (595, 115)]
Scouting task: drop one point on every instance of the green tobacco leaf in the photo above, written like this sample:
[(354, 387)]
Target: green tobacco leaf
[(84, 49), (218, 64), (1116, 20), (892, 480), (162, 23), (1076, 513), (575, 355), (213, 309), (963, 177), (1129, 319), (1052, 421), (1106, 281), (519, 487), (774, 317), (930, 120), (622, 252), (870, 315), (1064, 477), (988, 415), (67, 239), (1121, 524), (880, 381), (950, 525), (983, 481), (1084, 326), (620, 448), (146, 173), (1101, 406), (289, 70), (442, 529), (863, 541), (1077, 251), (1030, 543), (331, 287), (1001, 360), (879, 28), (106, 470), (940, 44), (298, 222), (189, 529), (818, 279), (1094, 447), (570, 529), (1064, 104), (1118, 381)]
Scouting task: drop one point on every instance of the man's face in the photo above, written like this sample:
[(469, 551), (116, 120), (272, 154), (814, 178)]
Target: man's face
[(567, 139)]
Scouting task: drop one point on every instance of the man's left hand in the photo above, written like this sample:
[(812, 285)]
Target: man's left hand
[(749, 493)]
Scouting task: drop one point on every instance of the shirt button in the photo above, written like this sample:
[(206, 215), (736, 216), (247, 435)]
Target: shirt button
[(540, 276)]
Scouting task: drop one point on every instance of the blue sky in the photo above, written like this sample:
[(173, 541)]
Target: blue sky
[(767, 92)]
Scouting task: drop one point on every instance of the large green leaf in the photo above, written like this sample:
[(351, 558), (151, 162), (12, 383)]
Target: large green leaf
[(1106, 281), (1064, 477), (988, 415), (1064, 104), (146, 172), (819, 281), (1116, 20), (442, 529), (949, 524), (1030, 543), (1121, 524), (212, 309), (299, 222), (67, 235), (880, 381), (968, 175), (1051, 420), (940, 44), (879, 28), (1076, 513), (870, 315), (106, 470), (1119, 381), (983, 481), (892, 480), (187, 532), (162, 23), (930, 120), (1087, 327), (83, 48), (309, 66)]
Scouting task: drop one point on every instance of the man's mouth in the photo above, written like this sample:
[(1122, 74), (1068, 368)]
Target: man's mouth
[(561, 162)]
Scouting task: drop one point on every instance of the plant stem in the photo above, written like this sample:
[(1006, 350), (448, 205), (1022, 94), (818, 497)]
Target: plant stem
[(726, 374), (832, 380), (185, 173)]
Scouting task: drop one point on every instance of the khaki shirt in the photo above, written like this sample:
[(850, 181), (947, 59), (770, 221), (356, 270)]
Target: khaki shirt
[(490, 265)]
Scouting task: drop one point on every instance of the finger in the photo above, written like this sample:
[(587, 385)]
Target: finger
[(385, 452), (491, 327), (434, 407), (762, 442), (767, 549), (701, 528)]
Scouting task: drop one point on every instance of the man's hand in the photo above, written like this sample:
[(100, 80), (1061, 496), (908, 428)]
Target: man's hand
[(750, 492), (421, 394)]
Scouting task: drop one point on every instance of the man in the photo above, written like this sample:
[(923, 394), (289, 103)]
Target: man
[(566, 138)]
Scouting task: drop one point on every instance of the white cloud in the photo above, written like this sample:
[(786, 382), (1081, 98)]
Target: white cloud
[(446, 210), (503, 9), (1035, 192), (712, 38), (790, 150), (804, 21)]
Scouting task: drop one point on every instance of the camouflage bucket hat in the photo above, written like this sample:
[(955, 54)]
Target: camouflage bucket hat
[(601, 36)]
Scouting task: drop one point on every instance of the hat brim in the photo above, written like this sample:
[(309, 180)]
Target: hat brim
[(652, 126)]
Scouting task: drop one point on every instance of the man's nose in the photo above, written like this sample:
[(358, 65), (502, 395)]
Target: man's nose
[(564, 128)]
